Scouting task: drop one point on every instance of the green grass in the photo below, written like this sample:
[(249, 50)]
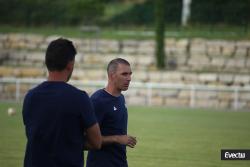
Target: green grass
[(185, 137), (12, 138), (137, 32), (166, 137)]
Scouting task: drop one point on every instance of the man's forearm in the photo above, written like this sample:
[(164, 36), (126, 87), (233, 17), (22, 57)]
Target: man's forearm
[(119, 139), (109, 140), (106, 140)]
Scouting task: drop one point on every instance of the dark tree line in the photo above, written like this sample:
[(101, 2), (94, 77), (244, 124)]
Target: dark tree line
[(52, 12)]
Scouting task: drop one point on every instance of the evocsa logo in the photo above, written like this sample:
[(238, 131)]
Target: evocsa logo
[(235, 155), (240, 154)]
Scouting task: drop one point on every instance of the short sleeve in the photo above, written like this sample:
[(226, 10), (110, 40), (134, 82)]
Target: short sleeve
[(88, 114), (25, 108)]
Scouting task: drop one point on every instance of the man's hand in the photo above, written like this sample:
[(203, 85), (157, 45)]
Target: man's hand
[(120, 139), (126, 140)]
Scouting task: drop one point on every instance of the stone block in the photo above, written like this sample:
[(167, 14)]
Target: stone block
[(168, 93), (170, 42), (172, 77), (34, 38), (136, 100), (218, 62), (189, 78), (247, 62), (51, 38), (145, 51), (108, 57), (95, 74), (108, 46), (226, 78), (225, 96), (229, 49), (243, 44), (207, 77), (92, 58), (206, 95), (6, 71), (242, 79), (146, 47), (144, 60), (30, 72), (185, 94), (241, 53), (155, 76), (198, 63), (224, 104), (139, 75), (245, 96), (36, 57), (10, 88), (142, 92), (157, 101), (198, 47), (132, 59), (131, 92), (175, 102), (182, 43), (204, 103), (129, 50)]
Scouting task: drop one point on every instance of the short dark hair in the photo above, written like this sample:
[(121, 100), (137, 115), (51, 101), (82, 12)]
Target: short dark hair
[(59, 53), (113, 64)]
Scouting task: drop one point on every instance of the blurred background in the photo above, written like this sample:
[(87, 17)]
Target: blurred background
[(190, 89), (190, 53)]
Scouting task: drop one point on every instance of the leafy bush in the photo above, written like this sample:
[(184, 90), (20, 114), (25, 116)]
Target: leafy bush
[(55, 12), (221, 11), (143, 13), (202, 11)]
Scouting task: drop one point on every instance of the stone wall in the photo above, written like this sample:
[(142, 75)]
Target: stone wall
[(190, 61), (197, 55)]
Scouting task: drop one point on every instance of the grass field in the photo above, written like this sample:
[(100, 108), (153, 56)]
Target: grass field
[(137, 32), (166, 137)]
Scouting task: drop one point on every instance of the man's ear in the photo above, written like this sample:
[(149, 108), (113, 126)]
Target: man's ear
[(70, 65), (111, 75)]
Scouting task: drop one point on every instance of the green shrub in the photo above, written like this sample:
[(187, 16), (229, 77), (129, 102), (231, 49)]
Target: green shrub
[(143, 14), (221, 11), (54, 12)]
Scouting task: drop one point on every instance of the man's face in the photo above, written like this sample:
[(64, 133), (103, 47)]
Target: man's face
[(122, 77)]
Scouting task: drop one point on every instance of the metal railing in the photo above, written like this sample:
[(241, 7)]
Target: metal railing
[(235, 91)]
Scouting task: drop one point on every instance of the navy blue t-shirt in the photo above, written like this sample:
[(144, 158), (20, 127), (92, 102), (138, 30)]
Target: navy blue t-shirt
[(112, 116), (55, 115)]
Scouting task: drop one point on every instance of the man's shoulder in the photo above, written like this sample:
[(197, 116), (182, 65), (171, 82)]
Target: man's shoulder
[(33, 90), (75, 92), (97, 94)]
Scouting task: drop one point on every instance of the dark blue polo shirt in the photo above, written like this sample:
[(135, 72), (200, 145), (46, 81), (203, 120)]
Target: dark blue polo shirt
[(55, 115), (112, 116)]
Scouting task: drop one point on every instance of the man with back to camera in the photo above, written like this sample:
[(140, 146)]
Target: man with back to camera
[(59, 118), (111, 113)]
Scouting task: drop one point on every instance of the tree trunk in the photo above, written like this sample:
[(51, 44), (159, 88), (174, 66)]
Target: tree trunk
[(160, 31)]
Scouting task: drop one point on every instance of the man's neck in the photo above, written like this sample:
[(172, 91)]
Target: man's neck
[(111, 90), (57, 76)]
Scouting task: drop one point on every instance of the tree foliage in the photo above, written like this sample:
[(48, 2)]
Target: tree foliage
[(221, 11), (55, 12)]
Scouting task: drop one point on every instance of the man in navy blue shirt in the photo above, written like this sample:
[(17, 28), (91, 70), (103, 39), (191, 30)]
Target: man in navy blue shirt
[(112, 116), (59, 118)]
